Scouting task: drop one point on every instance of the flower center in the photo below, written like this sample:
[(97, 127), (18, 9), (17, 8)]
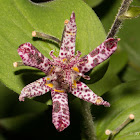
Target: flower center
[(64, 73)]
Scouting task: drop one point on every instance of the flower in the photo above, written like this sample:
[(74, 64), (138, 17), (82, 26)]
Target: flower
[(63, 73)]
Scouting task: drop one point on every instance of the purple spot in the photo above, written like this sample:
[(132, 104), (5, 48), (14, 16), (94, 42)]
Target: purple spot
[(56, 106), (103, 51), (110, 44), (86, 90), (95, 62), (94, 52), (85, 69)]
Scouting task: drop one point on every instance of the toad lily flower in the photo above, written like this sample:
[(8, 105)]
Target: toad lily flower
[(63, 73)]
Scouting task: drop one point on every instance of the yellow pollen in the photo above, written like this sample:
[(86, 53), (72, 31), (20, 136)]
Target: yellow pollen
[(65, 59), (49, 85), (99, 100), (66, 21), (48, 78), (70, 33), (74, 85), (75, 69), (51, 70), (59, 90)]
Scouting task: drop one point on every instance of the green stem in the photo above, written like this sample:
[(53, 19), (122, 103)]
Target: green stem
[(118, 21), (89, 130)]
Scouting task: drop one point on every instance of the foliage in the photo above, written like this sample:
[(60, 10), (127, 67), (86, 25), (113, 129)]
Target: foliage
[(117, 79)]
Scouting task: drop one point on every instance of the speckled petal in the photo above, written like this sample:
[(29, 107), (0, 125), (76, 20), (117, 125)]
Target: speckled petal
[(98, 55), (60, 113), (32, 57), (82, 91), (68, 38), (34, 89)]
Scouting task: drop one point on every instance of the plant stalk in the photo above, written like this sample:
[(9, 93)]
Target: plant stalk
[(118, 21), (88, 123)]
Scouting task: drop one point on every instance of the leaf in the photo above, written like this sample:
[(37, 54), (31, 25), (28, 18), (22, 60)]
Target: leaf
[(132, 12), (130, 74), (124, 100), (10, 106), (20, 18), (93, 3), (39, 126)]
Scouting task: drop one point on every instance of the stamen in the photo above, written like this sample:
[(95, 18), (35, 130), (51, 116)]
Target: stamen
[(74, 85), (45, 36), (17, 64), (51, 70), (75, 69), (84, 76), (49, 85), (51, 55), (48, 78), (64, 60), (78, 54), (57, 61)]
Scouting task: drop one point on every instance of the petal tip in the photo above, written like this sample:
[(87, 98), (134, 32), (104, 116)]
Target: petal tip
[(61, 126), (21, 98), (100, 101), (72, 16), (106, 104)]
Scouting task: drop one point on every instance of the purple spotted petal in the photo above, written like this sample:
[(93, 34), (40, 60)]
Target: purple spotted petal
[(98, 55), (82, 91), (34, 89), (32, 57), (69, 37), (60, 113)]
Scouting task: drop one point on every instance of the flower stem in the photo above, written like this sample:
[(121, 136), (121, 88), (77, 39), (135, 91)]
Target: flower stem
[(118, 21), (88, 121)]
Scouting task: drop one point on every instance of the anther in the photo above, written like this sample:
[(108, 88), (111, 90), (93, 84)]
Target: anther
[(17, 64)]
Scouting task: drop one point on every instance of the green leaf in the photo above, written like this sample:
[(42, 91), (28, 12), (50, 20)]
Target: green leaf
[(39, 126), (20, 17), (124, 100), (93, 3), (10, 106), (130, 74), (132, 12)]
